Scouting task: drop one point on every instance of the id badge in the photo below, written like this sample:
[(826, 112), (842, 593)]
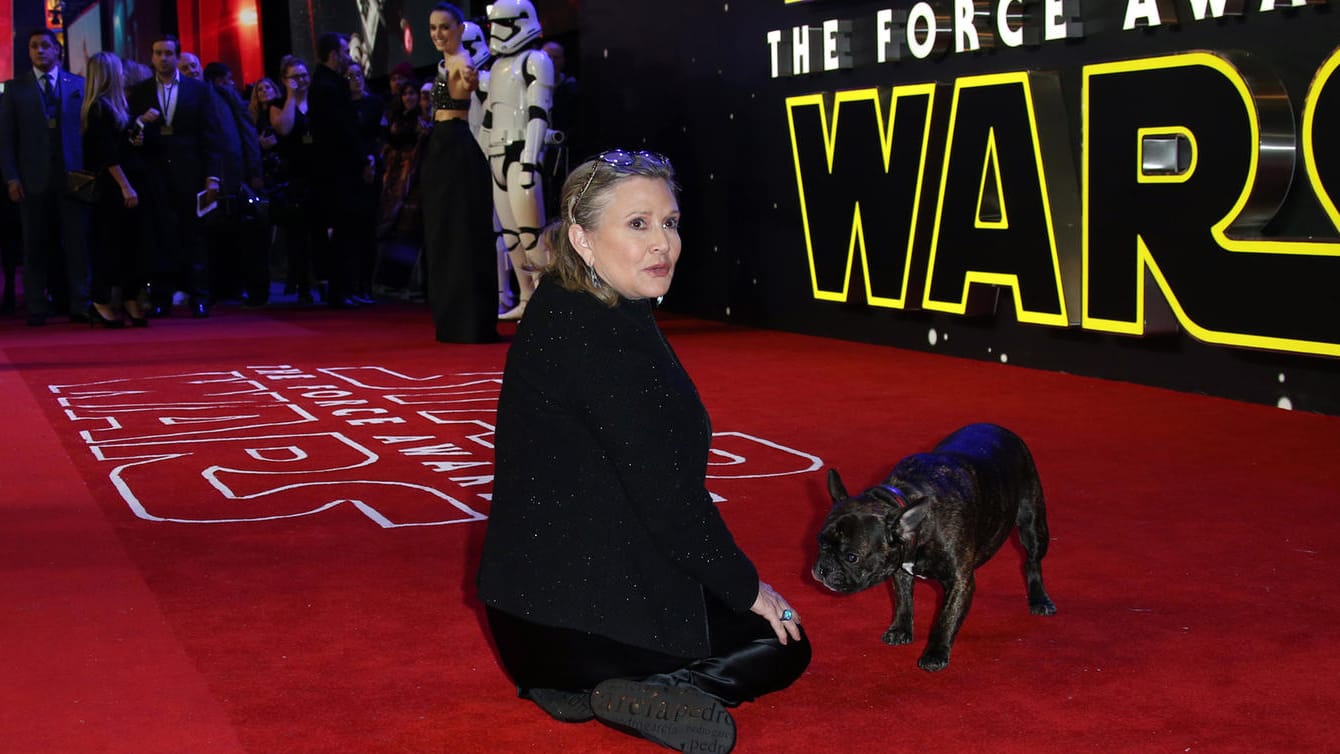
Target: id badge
[(165, 131), (306, 138), (51, 122)]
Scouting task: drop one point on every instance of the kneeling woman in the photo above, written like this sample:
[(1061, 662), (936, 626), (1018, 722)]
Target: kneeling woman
[(613, 588)]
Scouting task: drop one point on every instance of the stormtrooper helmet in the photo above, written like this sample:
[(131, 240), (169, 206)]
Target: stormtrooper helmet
[(513, 24), (475, 45)]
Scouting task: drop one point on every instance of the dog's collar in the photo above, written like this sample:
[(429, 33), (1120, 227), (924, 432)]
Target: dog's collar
[(896, 495)]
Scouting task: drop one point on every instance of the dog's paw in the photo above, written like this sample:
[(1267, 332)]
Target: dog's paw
[(933, 661), (1043, 606), (896, 636)]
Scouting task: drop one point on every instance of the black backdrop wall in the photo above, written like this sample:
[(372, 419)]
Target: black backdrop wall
[(694, 79)]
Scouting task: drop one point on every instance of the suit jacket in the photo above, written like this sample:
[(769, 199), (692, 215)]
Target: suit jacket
[(241, 148), (194, 150), (25, 139), (338, 150), (600, 520)]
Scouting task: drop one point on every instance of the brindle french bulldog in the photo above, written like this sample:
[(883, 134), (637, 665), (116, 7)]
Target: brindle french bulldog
[(940, 516)]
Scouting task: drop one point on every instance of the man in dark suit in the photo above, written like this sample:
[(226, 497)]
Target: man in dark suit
[(11, 248), (40, 141), (341, 162), (181, 148), (237, 249)]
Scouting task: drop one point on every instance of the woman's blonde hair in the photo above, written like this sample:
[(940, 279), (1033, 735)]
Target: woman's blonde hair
[(586, 194), (105, 83), (254, 105)]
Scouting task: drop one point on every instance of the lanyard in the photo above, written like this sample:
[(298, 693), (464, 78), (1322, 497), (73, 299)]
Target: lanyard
[(167, 105)]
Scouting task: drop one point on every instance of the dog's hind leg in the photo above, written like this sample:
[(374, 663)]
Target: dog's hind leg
[(1034, 536)]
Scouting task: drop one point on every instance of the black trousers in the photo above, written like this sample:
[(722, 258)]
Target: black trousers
[(55, 251), (746, 660), (172, 231), (334, 206)]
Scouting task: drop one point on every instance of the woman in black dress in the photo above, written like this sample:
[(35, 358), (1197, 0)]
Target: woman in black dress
[(458, 245), (612, 586), (118, 275)]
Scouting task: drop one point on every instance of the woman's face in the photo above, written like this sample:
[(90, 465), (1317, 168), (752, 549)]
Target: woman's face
[(445, 31), (635, 246), (298, 78), (409, 98), (266, 91)]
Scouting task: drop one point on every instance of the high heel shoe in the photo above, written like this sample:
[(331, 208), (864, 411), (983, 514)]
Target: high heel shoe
[(96, 319), (140, 321), (515, 314)]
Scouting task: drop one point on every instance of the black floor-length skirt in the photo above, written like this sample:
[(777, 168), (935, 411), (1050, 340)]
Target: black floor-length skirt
[(458, 248)]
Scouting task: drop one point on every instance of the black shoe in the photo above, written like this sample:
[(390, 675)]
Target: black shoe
[(7, 304), (342, 303), (158, 310), (363, 299), (200, 310), (564, 706), (37, 320), (80, 318), (676, 717)]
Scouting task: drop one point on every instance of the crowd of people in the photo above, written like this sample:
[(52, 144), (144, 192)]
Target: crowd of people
[(201, 190)]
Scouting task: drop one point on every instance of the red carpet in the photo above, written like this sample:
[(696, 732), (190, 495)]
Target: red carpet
[(257, 533)]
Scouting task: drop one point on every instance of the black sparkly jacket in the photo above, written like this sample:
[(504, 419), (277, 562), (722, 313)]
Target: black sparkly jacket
[(600, 520)]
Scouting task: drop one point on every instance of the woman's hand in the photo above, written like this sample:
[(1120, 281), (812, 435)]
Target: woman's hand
[(132, 199), (470, 77), (773, 607)]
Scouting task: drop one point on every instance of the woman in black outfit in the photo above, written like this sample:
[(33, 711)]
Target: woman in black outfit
[(300, 221), (117, 272), (612, 586), (458, 248)]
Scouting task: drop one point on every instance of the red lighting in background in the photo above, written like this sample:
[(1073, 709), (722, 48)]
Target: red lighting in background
[(6, 32), (224, 30)]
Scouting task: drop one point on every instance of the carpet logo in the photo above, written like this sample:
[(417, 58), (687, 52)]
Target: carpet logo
[(269, 442)]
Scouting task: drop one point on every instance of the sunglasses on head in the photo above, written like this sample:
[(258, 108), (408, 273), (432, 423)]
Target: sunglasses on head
[(618, 158)]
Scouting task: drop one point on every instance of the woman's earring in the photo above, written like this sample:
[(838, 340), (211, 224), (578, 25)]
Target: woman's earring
[(595, 279)]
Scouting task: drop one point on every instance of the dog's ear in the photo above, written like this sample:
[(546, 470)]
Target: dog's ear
[(905, 528), (836, 490)]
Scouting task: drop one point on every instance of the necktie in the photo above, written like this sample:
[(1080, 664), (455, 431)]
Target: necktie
[(48, 96)]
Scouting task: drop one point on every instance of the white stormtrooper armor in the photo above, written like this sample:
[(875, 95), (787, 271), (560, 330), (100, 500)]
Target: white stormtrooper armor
[(476, 47), (519, 93)]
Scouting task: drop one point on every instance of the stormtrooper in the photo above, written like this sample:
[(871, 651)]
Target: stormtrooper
[(476, 46), (519, 92)]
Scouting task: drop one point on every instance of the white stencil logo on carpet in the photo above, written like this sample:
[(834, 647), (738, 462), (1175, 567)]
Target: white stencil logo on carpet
[(270, 442)]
